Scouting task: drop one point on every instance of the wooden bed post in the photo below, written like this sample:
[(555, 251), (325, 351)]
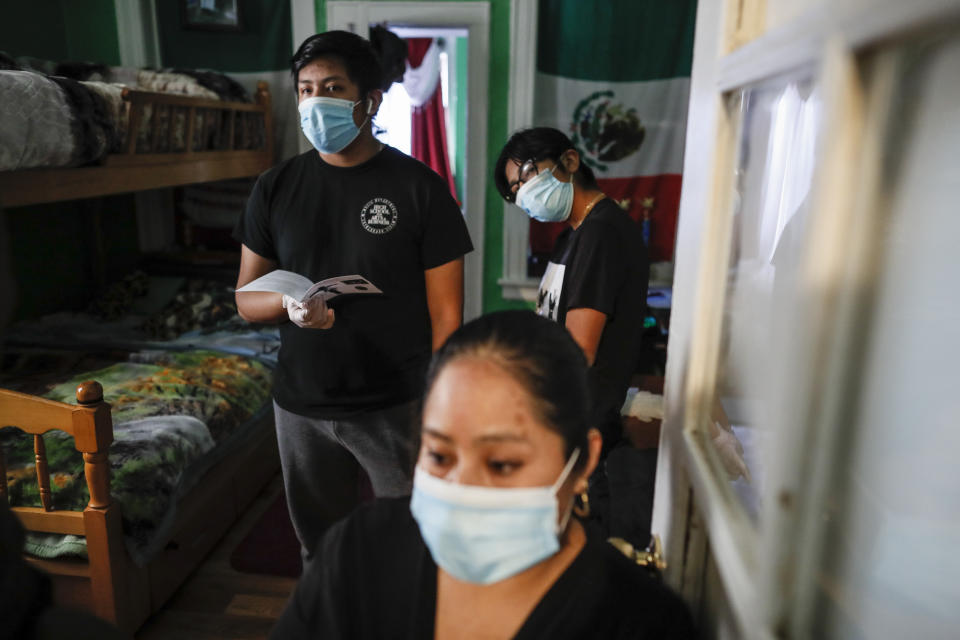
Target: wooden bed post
[(135, 116), (3, 478), (93, 434)]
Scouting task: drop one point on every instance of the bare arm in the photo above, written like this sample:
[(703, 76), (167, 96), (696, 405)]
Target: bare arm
[(586, 327), (445, 299), (257, 306)]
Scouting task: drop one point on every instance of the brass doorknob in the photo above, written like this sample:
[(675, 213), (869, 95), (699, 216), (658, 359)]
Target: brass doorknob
[(651, 557)]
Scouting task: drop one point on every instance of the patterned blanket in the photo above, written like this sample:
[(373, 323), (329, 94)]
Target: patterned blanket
[(170, 410), (150, 312)]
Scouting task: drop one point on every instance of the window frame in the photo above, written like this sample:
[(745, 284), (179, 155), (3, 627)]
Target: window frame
[(766, 575)]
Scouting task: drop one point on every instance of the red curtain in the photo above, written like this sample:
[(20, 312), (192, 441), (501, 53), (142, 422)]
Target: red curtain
[(428, 130)]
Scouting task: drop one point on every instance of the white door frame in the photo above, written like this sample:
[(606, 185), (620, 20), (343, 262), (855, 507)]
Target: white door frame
[(354, 16), (303, 17)]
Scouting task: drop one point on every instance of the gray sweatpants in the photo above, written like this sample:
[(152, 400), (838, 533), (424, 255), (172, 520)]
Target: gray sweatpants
[(321, 459)]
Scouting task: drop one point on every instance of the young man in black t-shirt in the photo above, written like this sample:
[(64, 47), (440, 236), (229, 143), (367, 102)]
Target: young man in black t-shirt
[(596, 286), (601, 265), (596, 282), (348, 375)]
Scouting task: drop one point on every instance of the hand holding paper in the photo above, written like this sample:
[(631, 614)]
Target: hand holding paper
[(302, 290), (306, 302), (312, 314)]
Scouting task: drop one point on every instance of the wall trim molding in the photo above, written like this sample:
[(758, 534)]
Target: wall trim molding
[(525, 289), (520, 95), (137, 35), (303, 18)]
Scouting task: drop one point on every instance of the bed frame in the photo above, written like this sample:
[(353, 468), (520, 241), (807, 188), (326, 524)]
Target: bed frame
[(109, 584), (133, 171)]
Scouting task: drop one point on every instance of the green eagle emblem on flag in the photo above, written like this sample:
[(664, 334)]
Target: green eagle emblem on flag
[(604, 130)]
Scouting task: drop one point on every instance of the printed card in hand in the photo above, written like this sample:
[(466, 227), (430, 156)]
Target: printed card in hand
[(302, 289), (340, 286)]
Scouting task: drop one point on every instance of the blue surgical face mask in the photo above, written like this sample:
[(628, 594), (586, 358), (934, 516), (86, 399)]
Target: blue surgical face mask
[(328, 122), (545, 198), (485, 534)]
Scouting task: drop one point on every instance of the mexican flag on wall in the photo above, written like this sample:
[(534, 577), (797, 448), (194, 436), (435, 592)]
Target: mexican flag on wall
[(614, 75)]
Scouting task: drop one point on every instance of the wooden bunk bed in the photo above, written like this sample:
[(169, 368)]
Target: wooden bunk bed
[(132, 170), (109, 583)]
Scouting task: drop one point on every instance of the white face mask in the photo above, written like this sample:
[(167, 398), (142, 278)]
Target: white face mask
[(328, 122), (486, 534), (545, 198)]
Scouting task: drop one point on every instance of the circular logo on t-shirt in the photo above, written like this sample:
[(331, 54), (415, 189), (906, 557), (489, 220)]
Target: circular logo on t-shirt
[(379, 216)]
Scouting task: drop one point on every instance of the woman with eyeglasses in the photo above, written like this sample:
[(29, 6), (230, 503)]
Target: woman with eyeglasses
[(490, 544), (596, 281)]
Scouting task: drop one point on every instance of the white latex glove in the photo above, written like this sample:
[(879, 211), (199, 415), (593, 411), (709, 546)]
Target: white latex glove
[(642, 405), (312, 314), (730, 451)]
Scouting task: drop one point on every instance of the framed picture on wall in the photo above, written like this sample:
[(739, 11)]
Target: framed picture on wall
[(212, 15)]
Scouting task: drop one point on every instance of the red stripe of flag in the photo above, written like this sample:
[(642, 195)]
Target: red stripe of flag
[(657, 197)]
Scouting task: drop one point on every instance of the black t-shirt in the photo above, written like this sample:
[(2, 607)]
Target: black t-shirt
[(374, 578), (602, 265), (388, 219)]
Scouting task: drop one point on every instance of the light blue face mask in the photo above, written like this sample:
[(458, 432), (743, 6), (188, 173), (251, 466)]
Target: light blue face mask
[(486, 534), (545, 198), (328, 122)]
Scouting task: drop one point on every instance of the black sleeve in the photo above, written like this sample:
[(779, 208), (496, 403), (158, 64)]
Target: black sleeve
[(319, 606), (445, 235), (597, 270), (253, 226)]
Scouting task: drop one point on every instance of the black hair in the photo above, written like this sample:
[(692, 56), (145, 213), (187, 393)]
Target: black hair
[(392, 52), (357, 55), (540, 355), (539, 143)]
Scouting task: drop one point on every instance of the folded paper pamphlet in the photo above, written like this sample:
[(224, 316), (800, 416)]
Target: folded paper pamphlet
[(302, 289)]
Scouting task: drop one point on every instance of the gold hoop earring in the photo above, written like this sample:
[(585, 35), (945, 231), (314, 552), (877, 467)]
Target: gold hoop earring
[(583, 509)]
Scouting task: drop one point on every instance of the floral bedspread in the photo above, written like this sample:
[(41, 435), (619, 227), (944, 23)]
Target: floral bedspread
[(170, 409)]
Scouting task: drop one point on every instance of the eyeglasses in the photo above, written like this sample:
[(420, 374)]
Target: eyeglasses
[(528, 171)]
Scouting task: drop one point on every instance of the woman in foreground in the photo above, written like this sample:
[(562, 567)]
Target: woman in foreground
[(488, 546)]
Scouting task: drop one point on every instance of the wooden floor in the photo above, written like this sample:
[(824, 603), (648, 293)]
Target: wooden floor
[(218, 602)]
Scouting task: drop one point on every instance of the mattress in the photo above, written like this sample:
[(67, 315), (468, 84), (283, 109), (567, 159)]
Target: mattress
[(175, 414)]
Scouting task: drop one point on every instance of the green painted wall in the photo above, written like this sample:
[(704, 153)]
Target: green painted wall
[(52, 251), (264, 44), (91, 28), (34, 29), (50, 245), (61, 30), (496, 136), (460, 117)]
